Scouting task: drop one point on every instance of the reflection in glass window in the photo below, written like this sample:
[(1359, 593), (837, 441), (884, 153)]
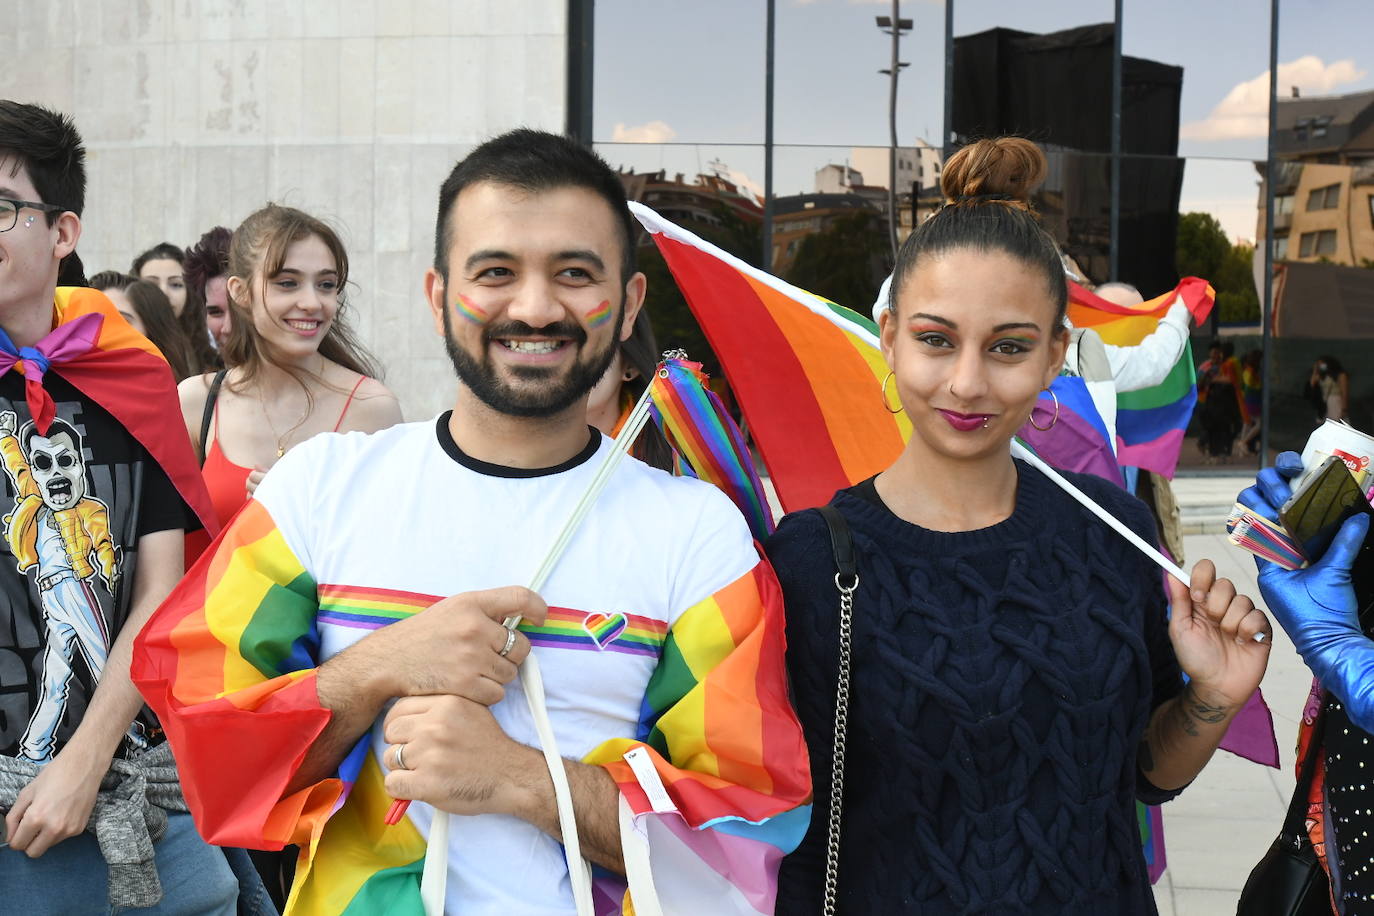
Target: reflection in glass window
[(1283, 204), (1327, 198), (1315, 244), (1281, 248)]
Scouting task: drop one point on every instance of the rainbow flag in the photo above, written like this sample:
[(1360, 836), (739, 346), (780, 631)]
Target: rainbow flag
[(718, 700), (720, 783), (699, 428), (1150, 422), (806, 371), (1077, 438), (121, 370)]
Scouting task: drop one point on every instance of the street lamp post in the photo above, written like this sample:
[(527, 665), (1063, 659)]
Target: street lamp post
[(886, 23)]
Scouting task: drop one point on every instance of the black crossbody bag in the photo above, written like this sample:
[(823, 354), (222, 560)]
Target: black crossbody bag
[(1289, 880)]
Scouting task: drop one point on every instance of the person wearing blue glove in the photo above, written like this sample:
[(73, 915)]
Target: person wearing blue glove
[(1316, 605), (1318, 608)]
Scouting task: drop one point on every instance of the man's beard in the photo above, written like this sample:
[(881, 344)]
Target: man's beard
[(554, 395)]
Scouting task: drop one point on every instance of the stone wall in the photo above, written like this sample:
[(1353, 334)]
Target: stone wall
[(196, 112)]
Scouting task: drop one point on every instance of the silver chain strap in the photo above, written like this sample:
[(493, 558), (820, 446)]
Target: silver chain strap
[(846, 586)]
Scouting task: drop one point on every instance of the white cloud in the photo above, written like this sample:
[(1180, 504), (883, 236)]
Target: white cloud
[(1245, 110), (653, 132)]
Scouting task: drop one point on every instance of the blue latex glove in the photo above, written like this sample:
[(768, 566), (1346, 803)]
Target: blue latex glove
[(1316, 606)]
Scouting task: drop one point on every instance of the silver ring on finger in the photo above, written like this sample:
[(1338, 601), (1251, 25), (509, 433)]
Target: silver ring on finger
[(400, 757), (510, 642)]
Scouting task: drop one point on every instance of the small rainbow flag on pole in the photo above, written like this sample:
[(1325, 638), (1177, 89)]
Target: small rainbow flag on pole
[(807, 373), (700, 429), (1149, 422)]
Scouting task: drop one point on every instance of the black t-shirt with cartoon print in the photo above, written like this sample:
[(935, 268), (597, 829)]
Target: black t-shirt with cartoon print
[(73, 506)]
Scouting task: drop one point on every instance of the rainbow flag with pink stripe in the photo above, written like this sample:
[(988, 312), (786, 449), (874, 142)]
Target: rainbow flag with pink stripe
[(722, 786), (702, 432), (729, 791), (1149, 422)]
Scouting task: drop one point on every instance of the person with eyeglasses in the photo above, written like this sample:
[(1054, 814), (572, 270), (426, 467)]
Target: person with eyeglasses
[(99, 484)]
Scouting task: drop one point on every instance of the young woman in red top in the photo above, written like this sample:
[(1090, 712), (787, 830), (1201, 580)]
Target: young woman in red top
[(295, 368)]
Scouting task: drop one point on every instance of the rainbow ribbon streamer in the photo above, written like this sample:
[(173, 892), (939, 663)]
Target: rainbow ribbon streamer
[(1263, 538), (697, 426)]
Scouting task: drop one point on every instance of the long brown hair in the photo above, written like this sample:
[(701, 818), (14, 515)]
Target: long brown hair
[(256, 255), (161, 326), (192, 317)]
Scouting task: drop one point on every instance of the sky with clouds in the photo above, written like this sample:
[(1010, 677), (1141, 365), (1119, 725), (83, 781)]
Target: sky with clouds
[(692, 73)]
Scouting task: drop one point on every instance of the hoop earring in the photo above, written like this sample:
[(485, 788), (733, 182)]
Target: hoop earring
[(883, 387), (1045, 429)]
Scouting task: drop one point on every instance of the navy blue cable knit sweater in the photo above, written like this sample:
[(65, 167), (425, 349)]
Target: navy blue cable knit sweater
[(1002, 680)]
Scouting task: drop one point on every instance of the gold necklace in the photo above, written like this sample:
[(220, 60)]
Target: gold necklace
[(280, 440)]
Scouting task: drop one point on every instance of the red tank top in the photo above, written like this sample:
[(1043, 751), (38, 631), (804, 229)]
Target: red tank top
[(228, 482)]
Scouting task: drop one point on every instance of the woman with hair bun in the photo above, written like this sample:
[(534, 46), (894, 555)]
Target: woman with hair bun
[(1015, 683)]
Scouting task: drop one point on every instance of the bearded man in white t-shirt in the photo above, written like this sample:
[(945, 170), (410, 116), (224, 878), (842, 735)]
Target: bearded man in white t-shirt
[(342, 643)]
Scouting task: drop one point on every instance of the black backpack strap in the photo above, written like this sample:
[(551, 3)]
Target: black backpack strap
[(209, 413)]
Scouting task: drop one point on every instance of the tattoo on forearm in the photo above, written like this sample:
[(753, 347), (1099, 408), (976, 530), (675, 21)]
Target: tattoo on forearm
[(1192, 710)]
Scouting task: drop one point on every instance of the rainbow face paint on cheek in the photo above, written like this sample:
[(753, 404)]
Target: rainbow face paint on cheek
[(599, 315), (471, 310)]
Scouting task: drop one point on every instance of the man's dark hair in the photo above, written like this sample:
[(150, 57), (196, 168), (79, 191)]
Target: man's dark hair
[(164, 251), (46, 144), (56, 428), (207, 259), (111, 279), (533, 161)]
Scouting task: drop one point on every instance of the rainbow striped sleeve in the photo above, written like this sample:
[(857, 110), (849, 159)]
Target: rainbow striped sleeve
[(724, 744), (228, 664)]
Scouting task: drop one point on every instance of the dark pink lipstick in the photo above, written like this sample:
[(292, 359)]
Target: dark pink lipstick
[(965, 422)]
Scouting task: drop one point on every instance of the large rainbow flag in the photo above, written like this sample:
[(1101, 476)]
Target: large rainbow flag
[(1150, 422), (806, 371), (720, 783), (96, 350)]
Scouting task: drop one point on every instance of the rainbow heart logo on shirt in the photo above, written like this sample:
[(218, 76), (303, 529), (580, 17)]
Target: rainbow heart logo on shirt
[(604, 628)]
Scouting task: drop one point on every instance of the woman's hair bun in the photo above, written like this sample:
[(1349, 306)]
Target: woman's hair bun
[(1003, 169)]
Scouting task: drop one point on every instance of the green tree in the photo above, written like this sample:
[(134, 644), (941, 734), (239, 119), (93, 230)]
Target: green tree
[(845, 262), (1203, 250), (1202, 246), (1235, 285)]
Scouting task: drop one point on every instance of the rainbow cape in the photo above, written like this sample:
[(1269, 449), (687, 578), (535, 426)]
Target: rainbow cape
[(806, 371), (701, 431), (120, 369), (229, 664), (1149, 422)]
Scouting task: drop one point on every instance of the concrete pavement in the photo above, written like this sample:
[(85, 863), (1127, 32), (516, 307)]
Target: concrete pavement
[(1219, 828)]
